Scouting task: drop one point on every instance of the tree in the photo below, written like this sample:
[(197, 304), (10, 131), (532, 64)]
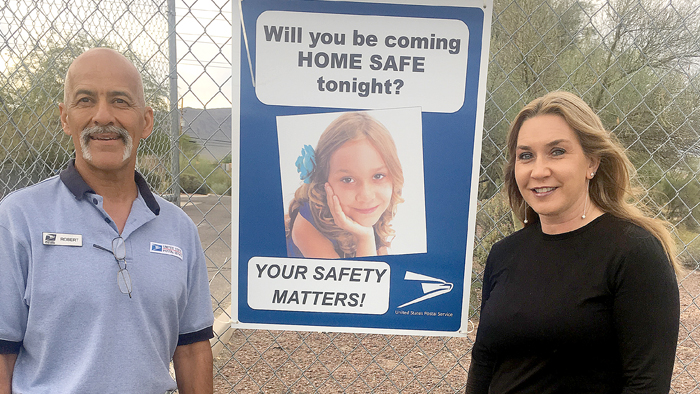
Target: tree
[(31, 138), (535, 48), (636, 62), (30, 131), (644, 93)]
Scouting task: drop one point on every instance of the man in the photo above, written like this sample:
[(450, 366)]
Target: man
[(102, 282)]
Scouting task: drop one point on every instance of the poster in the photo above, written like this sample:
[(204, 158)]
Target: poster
[(357, 127)]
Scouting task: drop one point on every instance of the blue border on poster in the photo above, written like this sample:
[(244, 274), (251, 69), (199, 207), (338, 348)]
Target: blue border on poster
[(448, 147)]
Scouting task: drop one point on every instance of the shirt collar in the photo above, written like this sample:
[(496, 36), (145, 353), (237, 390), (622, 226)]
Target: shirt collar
[(76, 184)]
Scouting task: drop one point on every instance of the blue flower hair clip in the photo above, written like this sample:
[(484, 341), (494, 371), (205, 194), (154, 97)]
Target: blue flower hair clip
[(305, 163)]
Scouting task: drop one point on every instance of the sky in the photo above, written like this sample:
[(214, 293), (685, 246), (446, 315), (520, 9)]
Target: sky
[(204, 53), (203, 37)]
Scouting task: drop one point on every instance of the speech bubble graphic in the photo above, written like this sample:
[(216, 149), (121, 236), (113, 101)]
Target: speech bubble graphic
[(360, 61), (314, 285)]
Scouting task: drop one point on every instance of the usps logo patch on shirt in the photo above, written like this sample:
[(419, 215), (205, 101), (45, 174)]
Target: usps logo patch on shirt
[(166, 249)]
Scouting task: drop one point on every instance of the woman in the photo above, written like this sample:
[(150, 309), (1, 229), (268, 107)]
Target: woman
[(584, 298)]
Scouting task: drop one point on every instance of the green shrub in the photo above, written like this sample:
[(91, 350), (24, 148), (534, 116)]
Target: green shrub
[(494, 220), (688, 244), (193, 184), (204, 176), (221, 189)]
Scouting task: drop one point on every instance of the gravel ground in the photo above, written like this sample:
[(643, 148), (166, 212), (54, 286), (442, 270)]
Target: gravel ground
[(686, 374), (306, 362)]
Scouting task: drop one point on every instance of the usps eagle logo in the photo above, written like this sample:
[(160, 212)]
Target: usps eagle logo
[(166, 249)]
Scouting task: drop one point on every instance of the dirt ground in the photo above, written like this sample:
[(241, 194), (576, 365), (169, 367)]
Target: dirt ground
[(305, 362), (686, 374)]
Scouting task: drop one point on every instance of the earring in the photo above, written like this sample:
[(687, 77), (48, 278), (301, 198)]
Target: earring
[(525, 220), (592, 174), (585, 202)]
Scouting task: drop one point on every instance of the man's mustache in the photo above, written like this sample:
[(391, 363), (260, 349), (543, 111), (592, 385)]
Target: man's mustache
[(96, 130)]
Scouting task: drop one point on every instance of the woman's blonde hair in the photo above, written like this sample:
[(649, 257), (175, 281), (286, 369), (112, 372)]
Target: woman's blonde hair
[(347, 127), (611, 188)]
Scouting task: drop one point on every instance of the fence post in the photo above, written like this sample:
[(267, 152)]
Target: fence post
[(174, 114)]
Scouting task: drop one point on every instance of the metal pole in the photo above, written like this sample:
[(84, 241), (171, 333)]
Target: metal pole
[(174, 113)]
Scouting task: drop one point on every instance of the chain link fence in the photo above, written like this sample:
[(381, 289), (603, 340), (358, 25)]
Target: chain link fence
[(636, 62)]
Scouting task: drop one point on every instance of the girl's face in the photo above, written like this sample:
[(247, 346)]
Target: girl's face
[(361, 180), (551, 170)]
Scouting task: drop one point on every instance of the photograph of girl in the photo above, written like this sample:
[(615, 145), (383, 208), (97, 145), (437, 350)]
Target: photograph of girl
[(349, 189)]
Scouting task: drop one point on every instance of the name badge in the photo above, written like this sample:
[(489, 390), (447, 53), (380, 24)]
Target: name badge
[(59, 239)]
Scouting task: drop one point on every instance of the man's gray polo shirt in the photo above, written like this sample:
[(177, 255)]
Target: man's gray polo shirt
[(62, 309)]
